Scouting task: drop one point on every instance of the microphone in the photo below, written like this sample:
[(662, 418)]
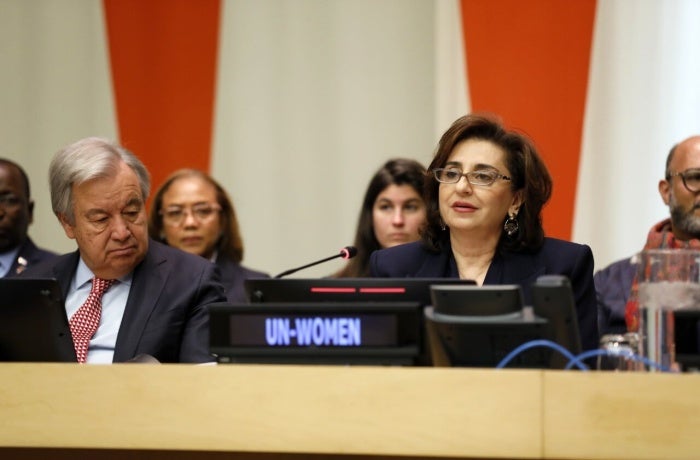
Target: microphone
[(348, 252)]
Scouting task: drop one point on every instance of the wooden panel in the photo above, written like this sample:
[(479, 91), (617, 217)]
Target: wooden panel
[(289, 409), (607, 415)]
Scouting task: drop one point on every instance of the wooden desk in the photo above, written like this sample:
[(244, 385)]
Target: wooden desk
[(294, 411), (605, 415)]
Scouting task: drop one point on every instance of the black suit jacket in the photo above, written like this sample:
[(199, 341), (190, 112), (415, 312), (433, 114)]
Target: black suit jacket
[(28, 256), (232, 276), (166, 314), (555, 257)]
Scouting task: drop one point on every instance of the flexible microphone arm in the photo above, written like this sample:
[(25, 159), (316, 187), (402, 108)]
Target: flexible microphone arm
[(348, 252)]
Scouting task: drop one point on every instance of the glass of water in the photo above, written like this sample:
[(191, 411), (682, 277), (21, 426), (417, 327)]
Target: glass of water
[(668, 280)]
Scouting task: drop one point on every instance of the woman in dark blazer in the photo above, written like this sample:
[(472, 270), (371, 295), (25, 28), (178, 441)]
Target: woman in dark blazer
[(484, 193), (192, 212)]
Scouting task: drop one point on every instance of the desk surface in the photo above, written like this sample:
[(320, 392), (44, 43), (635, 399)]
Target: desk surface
[(382, 411)]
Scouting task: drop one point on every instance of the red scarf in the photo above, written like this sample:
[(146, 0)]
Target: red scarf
[(660, 237)]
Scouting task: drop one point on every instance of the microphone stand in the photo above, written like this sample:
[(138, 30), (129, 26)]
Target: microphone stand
[(346, 253)]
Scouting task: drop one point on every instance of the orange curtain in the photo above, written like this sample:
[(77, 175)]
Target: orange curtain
[(528, 62), (163, 55)]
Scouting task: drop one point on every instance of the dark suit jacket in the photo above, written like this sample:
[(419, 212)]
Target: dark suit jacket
[(555, 257), (28, 256), (232, 276), (166, 313), (613, 285)]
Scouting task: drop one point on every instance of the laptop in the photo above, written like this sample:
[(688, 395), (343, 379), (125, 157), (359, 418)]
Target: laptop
[(33, 322)]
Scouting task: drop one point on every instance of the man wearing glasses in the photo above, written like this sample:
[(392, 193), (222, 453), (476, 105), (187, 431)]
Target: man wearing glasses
[(680, 190), (17, 250)]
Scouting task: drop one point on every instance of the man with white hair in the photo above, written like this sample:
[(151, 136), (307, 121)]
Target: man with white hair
[(126, 296)]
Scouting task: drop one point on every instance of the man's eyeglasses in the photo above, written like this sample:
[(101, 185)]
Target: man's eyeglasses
[(201, 212), (9, 201), (690, 178), (453, 175)]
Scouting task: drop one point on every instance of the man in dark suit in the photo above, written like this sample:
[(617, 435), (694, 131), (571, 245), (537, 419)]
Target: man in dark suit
[(156, 298), (17, 250)]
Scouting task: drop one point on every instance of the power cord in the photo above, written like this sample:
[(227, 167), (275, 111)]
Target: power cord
[(541, 343), (578, 359)]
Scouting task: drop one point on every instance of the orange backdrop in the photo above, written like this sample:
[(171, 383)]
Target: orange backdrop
[(528, 62), (163, 55)]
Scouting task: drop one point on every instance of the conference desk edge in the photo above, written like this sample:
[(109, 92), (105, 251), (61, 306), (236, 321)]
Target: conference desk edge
[(351, 411)]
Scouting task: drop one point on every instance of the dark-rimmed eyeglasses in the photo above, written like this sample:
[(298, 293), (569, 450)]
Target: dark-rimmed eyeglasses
[(201, 212), (690, 178), (482, 177)]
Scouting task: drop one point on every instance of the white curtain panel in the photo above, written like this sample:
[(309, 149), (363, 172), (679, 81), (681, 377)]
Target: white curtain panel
[(643, 97)]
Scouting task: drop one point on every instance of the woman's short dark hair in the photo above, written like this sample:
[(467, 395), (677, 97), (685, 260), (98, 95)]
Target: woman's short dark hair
[(397, 171), (529, 176), (230, 244)]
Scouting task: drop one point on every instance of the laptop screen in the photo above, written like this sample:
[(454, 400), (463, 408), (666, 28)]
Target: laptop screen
[(33, 322)]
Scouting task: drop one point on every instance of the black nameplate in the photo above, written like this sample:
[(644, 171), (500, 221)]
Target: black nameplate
[(314, 332)]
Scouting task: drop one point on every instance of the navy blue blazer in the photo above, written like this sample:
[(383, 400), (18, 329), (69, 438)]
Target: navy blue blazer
[(28, 256), (232, 276), (613, 285), (166, 314), (555, 257)]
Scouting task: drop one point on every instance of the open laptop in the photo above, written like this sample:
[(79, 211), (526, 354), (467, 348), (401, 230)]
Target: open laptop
[(33, 322)]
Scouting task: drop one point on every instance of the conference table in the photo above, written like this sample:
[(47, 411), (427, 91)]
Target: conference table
[(349, 412)]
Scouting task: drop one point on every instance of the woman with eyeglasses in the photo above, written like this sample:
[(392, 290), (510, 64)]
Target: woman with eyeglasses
[(392, 213), (192, 212), (484, 195)]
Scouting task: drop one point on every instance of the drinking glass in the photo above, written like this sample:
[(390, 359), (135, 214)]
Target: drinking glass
[(667, 281), (619, 349)]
